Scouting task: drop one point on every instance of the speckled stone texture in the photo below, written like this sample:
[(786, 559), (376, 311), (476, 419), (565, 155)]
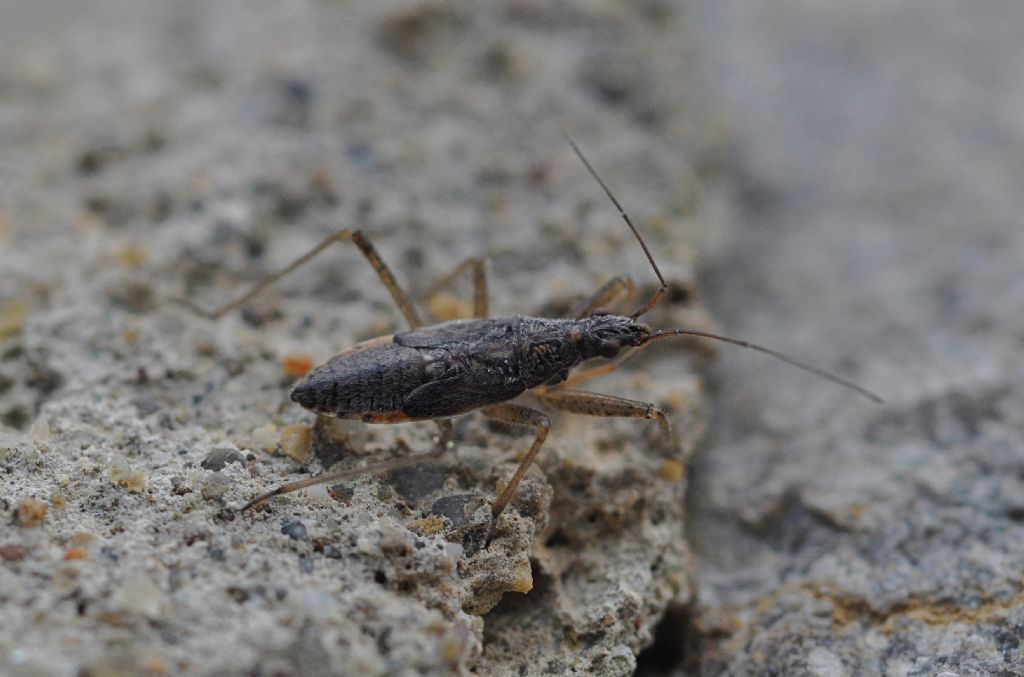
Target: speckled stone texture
[(161, 150), (877, 169)]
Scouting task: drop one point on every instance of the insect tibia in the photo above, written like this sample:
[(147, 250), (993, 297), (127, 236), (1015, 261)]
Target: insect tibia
[(665, 333)]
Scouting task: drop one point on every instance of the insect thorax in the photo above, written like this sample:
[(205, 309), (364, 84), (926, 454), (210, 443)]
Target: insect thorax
[(548, 349)]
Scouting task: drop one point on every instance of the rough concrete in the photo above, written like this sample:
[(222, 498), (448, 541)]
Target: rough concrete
[(877, 171), (188, 148)]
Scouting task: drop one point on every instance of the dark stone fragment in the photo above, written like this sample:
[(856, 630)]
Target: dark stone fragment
[(417, 482), (453, 507), (342, 493), (12, 553), (240, 595), (218, 458), (146, 406), (295, 530)]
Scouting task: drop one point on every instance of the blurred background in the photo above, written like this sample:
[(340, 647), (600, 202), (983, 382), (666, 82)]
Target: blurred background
[(840, 182)]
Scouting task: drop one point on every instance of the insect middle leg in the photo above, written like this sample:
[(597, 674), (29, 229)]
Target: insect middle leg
[(476, 266), (402, 300), (447, 432), (620, 285), (522, 416)]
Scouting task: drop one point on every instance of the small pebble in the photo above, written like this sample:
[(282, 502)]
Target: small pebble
[(130, 256), (264, 438), (179, 487), (122, 476), (138, 595), (295, 530), (672, 471), (428, 526), (12, 553), (452, 507), (12, 316), (297, 364), (76, 553), (30, 513), (297, 442), (220, 457), (342, 493), (214, 486)]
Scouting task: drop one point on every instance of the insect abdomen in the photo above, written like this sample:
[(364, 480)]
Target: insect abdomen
[(363, 383)]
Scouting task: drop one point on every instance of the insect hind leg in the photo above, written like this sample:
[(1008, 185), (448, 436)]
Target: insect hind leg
[(447, 433), (522, 416), (401, 298)]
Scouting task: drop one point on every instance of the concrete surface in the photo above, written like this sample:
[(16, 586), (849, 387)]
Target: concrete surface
[(187, 149)]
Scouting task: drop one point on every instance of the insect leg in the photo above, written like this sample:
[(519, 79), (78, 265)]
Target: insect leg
[(522, 416), (598, 371), (476, 266), (595, 404), (618, 285), (447, 432), (402, 299)]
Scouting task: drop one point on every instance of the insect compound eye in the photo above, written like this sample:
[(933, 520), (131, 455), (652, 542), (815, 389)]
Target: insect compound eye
[(608, 349)]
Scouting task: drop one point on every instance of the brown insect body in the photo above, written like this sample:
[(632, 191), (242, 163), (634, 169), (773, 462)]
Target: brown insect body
[(452, 368), (444, 370)]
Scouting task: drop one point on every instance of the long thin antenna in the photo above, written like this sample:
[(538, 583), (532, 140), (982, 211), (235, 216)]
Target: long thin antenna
[(768, 351), (656, 298)]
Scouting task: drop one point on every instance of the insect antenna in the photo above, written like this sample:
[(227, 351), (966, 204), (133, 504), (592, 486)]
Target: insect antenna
[(663, 288), (665, 333), (660, 293)]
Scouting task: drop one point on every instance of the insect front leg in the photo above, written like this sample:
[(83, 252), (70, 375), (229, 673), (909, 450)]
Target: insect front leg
[(620, 285), (445, 436), (596, 404), (523, 416), (598, 371)]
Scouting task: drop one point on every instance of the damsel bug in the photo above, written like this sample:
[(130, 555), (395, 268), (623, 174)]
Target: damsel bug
[(444, 370)]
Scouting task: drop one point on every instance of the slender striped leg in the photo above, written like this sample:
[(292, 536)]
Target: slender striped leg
[(599, 370), (595, 404), (401, 299), (477, 268), (526, 417), (447, 432), (620, 285)]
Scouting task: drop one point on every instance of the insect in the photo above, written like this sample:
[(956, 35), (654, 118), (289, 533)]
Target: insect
[(440, 371)]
